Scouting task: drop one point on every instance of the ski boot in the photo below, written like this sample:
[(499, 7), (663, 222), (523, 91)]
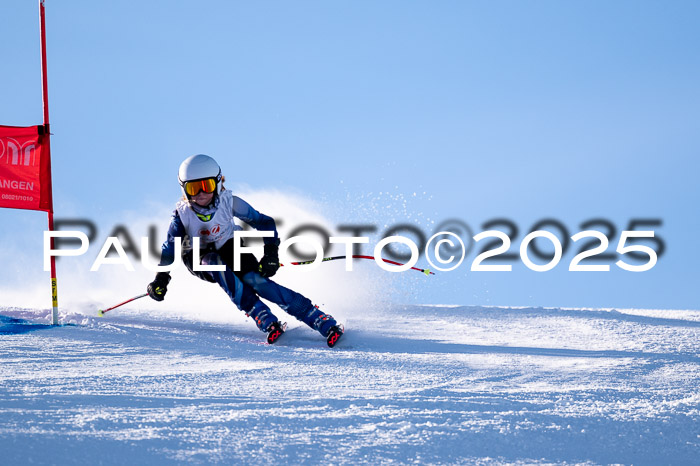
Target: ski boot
[(334, 335), (275, 330)]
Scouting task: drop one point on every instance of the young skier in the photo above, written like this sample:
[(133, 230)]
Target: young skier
[(207, 211)]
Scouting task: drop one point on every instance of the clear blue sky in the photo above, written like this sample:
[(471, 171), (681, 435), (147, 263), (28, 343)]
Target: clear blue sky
[(523, 110)]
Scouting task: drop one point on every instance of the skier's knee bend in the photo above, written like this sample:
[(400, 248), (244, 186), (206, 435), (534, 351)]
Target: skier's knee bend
[(291, 301), (255, 280), (297, 305)]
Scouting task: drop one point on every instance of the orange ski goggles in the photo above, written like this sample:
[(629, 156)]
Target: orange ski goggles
[(208, 185)]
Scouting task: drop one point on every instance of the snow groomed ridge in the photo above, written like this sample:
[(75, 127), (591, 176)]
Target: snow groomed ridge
[(440, 385)]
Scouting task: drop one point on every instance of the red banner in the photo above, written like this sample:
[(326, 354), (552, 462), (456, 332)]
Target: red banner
[(25, 168)]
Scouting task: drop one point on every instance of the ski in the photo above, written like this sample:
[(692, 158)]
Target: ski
[(334, 335), (275, 331)]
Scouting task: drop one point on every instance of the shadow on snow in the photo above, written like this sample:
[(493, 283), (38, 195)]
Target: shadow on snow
[(15, 326)]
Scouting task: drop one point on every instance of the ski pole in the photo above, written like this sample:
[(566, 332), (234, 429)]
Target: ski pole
[(101, 312), (356, 256)]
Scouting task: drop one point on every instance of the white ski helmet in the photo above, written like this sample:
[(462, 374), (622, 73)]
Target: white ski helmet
[(199, 167)]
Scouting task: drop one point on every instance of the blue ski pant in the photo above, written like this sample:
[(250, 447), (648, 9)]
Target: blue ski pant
[(245, 289)]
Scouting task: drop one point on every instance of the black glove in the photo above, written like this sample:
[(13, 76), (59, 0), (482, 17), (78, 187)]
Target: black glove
[(158, 287), (270, 262)]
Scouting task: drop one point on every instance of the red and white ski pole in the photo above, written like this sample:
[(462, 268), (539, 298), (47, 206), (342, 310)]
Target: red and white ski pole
[(101, 312), (357, 256)]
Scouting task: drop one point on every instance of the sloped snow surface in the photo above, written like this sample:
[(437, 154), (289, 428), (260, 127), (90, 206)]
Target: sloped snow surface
[(406, 384)]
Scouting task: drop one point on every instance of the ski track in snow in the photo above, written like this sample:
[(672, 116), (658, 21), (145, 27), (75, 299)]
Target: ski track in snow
[(408, 384)]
